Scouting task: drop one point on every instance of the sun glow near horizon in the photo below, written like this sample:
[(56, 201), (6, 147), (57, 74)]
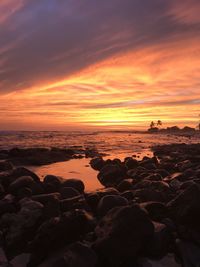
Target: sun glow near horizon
[(150, 80)]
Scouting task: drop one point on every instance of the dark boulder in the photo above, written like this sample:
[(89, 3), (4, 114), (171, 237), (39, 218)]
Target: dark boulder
[(57, 233), (110, 201), (73, 203), (24, 192), (94, 197), (24, 181), (157, 211), (97, 163), (2, 191), (185, 208), (20, 226), (162, 172), (7, 205), (149, 194), (122, 234), (51, 208), (21, 171), (5, 165), (77, 255), (189, 253), (68, 192), (159, 245), (57, 180), (111, 175), (130, 163), (125, 185), (128, 195), (154, 177), (74, 183), (45, 198)]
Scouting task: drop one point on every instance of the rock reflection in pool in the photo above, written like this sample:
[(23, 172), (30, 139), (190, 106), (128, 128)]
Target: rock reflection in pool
[(76, 168)]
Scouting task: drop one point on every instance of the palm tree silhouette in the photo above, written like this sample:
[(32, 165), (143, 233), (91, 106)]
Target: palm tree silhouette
[(159, 123), (152, 124)]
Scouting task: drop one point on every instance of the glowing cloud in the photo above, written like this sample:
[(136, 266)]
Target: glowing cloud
[(99, 64)]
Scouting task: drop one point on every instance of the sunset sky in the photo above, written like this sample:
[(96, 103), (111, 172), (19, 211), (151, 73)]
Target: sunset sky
[(91, 64)]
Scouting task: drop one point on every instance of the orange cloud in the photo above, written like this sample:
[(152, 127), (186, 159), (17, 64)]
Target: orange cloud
[(160, 82), (120, 64)]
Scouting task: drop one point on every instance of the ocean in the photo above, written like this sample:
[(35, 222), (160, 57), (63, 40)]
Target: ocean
[(114, 144)]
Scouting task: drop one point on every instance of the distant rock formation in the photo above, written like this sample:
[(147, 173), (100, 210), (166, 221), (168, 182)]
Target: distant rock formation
[(173, 129)]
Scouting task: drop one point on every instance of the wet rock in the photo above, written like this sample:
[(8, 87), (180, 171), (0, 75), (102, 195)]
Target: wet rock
[(52, 183), (74, 183), (162, 172), (57, 233), (154, 177), (97, 163), (5, 165), (93, 200), (3, 155), (111, 175), (183, 165), (128, 195), (24, 181), (189, 253), (3, 258), (186, 184), (185, 207), (149, 163), (94, 197), (78, 202), (131, 163), (167, 261), (110, 201), (21, 171), (20, 260), (159, 246), (175, 176), (175, 184), (53, 179), (68, 192), (91, 153), (20, 226), (51, 208), (157, 211), (7, 205), (125, 185), (142, 184), (45, 198), (149, 194), (122, 234), (107, 191), (37, 156), (135, 173), (117, 161), (77, 255), (24, 192), (2, 191)]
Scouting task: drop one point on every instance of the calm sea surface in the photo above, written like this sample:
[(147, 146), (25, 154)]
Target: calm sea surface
[(114, 144)]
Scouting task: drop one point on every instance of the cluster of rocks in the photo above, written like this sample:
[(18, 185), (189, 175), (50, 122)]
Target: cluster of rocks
[(147, 214), (43, 156)]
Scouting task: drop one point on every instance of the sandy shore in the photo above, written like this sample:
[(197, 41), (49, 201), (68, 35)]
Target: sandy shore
[(146, 214)]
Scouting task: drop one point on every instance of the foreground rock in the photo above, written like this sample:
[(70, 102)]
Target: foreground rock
[(59, 232), (122, 234), (147, 215)]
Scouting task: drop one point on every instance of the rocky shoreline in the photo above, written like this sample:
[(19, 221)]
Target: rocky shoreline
[(147, 214), (43, 156)]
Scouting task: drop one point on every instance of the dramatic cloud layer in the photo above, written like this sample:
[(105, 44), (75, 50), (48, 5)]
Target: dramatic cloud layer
[(74, 63)]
